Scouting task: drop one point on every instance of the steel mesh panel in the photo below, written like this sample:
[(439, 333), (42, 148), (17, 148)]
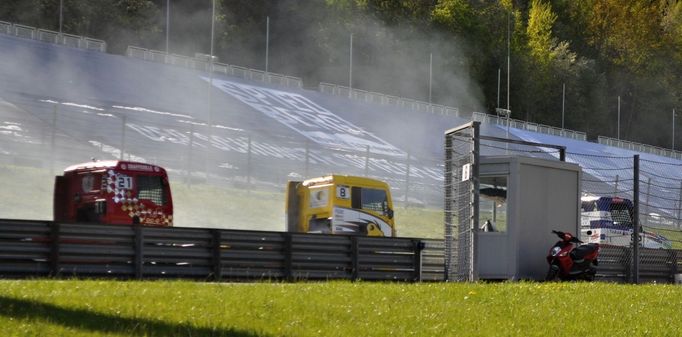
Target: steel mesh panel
[(459, 203)]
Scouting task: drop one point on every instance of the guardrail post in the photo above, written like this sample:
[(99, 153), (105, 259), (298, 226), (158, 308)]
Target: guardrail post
[(672, 259), (418, 246), (217, 258), (288, 257), (139, 251), (54, 249), (355, 258), (627, 262)]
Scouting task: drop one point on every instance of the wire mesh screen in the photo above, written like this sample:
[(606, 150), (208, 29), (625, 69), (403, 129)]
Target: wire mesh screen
[(461, 175), (660, 210), (608, 206), (660, 203)]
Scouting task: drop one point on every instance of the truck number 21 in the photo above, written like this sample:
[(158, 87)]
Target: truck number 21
[(124, 182)]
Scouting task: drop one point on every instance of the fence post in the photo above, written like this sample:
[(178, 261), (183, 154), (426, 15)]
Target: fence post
[(473, 272), (562, 153), (55, 228), (123, 138), (52, 138), (188, 175), (355, 257), (217, 258), (367, 162), (447, 209), (635, 221), (646, 203), (248, 164), (407, 179), (139, 251), (307, 159), (679, 207)]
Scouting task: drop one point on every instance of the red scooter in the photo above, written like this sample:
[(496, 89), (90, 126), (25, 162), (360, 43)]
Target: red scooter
[(570, 262)]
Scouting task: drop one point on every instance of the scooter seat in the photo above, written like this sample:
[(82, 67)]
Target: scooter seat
[(582, 251)]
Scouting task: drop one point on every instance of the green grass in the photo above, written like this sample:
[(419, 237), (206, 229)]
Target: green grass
[(419, 222), (161, 308), (26, 193)]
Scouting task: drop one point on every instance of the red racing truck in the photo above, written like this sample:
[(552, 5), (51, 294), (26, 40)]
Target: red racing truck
[(114, 192)]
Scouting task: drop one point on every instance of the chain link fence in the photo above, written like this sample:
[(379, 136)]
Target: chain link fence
[(461, 204), (57, 134), (618, 195)]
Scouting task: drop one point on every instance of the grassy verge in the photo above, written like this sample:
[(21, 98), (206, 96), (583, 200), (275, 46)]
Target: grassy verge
[(26, 193), (104, 308)]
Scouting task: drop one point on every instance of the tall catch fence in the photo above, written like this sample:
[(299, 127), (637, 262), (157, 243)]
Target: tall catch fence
[(609, 178), (643, 194), (640, 193), (59, 134)]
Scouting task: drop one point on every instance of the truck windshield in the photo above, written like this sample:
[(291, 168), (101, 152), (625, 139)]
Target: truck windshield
[(370, 199), (605, 209), (620, 214), (151, 188)]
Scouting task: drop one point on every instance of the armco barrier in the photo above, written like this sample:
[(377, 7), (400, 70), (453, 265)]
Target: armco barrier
[(202, 63), (44, 248), (378, 98), (639, 147), (5, 27), (519, 124), (49, 36)]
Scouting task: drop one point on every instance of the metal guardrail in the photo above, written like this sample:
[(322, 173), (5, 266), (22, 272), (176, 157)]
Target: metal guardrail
[(639, 147), (519, 124), (378, 98), (45, 248), (656, 265), (49, 36), (222, 68)]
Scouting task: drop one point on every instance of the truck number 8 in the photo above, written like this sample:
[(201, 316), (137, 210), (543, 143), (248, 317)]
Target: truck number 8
[(342, 192)]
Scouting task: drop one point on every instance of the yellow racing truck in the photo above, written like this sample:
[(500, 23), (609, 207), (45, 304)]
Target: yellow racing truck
[(339, 204)]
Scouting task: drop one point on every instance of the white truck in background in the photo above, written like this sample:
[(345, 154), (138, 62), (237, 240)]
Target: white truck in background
[(610, 221)]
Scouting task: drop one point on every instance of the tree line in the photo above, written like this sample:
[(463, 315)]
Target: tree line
[(582, 64)]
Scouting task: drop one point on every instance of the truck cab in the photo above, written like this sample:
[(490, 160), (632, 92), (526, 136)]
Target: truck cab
[(609, 221), (113, 192), (339, 204)]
